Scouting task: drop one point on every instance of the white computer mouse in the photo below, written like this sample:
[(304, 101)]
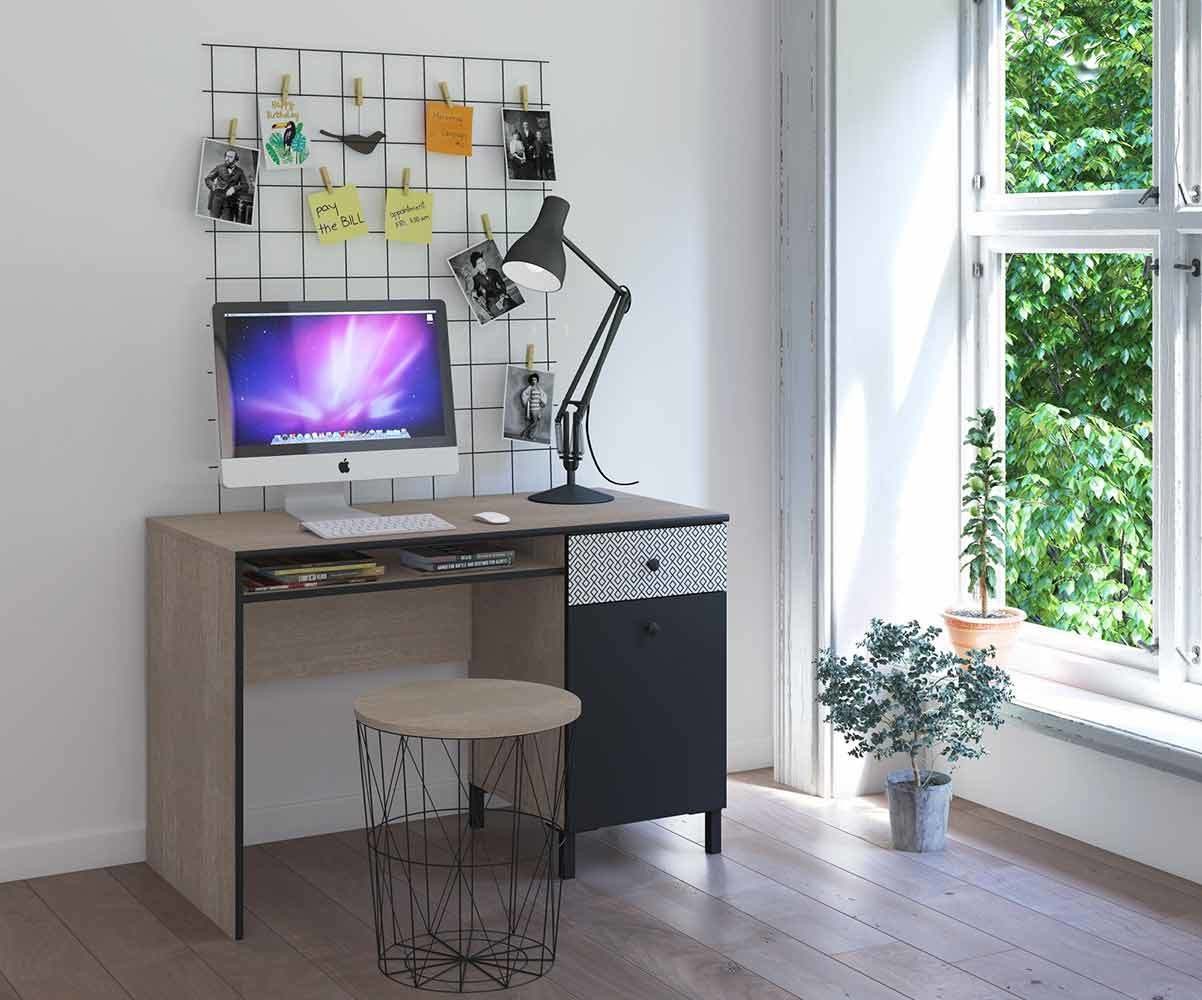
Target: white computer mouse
[(491, 517)]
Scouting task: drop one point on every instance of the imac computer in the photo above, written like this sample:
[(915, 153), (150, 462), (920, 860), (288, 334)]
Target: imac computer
[(311, 395)]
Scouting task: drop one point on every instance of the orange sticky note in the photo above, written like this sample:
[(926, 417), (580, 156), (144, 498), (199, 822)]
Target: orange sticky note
[(448, 128)]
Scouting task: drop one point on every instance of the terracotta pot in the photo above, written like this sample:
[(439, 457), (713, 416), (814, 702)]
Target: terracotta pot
[(967, 633)]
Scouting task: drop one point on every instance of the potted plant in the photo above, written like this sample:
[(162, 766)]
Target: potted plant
[(984, 533), (911, 697)]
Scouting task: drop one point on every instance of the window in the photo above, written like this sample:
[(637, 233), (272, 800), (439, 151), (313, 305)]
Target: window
[(1083, 325)]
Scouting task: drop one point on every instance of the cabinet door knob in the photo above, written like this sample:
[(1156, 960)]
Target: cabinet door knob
[(653, 564), (651, 628)]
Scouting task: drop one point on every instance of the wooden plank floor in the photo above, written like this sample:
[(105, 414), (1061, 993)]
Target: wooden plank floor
[(807, 901)]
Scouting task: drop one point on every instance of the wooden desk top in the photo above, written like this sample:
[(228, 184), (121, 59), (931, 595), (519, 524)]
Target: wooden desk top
[(258, 532)]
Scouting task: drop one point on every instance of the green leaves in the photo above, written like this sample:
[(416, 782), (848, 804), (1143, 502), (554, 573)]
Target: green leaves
[(1078, 95), (983, 528), (1079, 443), (1079, 326), (910, 697)]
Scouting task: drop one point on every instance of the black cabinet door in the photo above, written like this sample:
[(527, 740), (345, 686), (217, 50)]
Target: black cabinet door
[(651, 739)]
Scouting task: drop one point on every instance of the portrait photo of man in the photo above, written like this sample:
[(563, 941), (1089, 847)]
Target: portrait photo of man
[(225, 189)]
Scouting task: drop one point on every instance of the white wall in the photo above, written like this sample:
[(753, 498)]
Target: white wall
[(1124, 807), (663, 140), (896, 384)]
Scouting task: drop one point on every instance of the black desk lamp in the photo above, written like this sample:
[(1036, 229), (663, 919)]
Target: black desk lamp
[(536, 261)]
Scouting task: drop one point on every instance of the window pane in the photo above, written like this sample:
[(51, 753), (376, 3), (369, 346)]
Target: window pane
[(1079, 443), (1078, 95)]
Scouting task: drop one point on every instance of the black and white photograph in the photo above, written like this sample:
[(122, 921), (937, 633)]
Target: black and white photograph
[(484, 285), (529, 152), (527, 414), (225, 187)]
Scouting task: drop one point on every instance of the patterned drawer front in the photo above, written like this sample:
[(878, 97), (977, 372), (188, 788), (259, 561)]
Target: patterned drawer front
[(660, 562)]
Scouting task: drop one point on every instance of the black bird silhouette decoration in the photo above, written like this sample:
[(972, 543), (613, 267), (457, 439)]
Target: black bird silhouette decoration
[(359, 143)]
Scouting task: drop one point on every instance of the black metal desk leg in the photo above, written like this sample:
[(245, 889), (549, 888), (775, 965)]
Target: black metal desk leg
[(567, 856), (475, 807), (713, 832)]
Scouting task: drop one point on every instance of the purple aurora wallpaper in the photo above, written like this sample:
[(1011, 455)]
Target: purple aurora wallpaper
[(310, 378)]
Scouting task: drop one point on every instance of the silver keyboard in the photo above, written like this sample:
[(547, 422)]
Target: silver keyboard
[(362, 527)]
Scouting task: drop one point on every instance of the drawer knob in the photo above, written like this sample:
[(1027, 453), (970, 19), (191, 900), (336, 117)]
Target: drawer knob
[(653, 564), (651, 628)]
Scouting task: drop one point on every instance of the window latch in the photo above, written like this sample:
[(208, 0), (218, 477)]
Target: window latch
[(1195, 654), (1194, 267), (1151, 267), (1152, 194)]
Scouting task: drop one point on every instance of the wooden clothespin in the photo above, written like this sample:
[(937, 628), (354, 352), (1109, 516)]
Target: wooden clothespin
[(446, 92), (405, 181), (359, 91), (487, 225), (525, 92), (232, 135), (325, 179), (284, 85), (530, 356)]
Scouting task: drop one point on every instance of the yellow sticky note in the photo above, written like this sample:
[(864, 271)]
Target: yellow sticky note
[(409, 218), (448, 128), (337, 215)]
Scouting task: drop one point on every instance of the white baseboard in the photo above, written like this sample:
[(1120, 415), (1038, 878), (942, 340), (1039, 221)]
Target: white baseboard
[(747, 755), (74, 852), (263, 824), (291, 820)]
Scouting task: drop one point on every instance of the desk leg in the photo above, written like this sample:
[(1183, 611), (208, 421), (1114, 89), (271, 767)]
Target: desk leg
[(239, 761), (194, 724), (713, 832), (475, 807), (567, 856)]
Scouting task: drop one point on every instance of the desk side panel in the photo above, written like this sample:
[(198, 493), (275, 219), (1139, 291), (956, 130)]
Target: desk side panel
[(191, 699)]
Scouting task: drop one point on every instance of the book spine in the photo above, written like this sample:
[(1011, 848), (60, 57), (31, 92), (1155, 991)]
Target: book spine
[(473, 564)]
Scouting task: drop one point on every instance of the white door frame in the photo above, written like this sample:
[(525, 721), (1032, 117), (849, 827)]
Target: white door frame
[(804, 53)]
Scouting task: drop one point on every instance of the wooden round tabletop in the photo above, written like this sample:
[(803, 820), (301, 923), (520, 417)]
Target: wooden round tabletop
[(467, 708)]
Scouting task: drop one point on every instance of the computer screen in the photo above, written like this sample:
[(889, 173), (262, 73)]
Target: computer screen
[(314, 378)]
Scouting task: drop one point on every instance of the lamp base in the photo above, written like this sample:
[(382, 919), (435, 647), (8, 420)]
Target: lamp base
[(570, 493)]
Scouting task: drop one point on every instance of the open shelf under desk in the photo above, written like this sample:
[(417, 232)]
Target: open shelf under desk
[(399, 577)]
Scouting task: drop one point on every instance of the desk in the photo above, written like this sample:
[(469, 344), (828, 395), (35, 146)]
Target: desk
[(623, 603)]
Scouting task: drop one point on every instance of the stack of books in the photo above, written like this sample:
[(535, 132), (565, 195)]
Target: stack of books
[(444, 558), (295, 572)]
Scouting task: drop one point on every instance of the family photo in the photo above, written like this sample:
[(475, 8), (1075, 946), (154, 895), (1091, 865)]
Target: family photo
[(484, 285), (529, 153), (527, 414), (225, 186)]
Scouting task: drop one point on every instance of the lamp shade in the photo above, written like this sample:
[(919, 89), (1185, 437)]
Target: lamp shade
[(537, 259)]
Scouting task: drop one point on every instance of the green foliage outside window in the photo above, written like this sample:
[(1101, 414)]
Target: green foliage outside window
[(1079, 326), (1078, 95)]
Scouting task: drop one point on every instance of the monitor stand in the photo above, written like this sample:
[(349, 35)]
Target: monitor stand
[(320, 502)]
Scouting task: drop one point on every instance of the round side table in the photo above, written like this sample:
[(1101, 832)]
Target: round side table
[(463, 786)]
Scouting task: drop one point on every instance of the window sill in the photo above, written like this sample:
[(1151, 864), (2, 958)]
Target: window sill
[(1149, 736)]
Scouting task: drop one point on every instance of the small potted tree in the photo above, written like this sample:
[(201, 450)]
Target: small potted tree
[(984, 534), (911, 697)]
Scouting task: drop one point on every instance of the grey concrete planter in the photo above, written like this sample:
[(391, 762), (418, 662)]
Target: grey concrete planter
[(918, 817)]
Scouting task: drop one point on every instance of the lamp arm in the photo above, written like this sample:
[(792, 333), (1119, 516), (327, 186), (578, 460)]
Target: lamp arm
[(570, 416), (592, 346), (590, 264)]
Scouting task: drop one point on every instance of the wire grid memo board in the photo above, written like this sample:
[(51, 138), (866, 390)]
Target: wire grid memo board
[(280, 259)]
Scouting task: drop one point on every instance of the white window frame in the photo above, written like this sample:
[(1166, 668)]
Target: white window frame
[(996, 223)]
